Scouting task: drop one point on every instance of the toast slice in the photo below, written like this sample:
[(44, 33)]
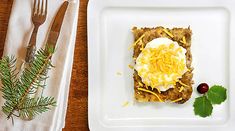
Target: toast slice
[(183, 89)]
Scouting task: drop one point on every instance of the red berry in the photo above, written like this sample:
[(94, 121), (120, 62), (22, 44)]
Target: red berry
[(202, 88)]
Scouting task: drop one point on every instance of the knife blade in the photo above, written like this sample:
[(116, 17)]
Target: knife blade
[(56, 26)]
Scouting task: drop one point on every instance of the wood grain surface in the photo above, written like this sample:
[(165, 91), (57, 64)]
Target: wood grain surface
[(77, 117)]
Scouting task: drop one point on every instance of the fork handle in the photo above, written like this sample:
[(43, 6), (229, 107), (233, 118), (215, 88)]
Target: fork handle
[(31, 46)]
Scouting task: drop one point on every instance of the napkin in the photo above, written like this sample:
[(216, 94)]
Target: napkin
[(19, 31)]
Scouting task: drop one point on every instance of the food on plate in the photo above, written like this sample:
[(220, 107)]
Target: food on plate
[(125, 104), (162, 70), (119, 73), (202, 88)]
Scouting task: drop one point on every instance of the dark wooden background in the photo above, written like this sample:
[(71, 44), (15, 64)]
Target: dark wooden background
[(76, 119)]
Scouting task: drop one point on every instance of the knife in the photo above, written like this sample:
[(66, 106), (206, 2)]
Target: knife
[(55, 32), (56, 26)]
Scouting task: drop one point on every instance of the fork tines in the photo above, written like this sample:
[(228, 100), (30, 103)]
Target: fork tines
[(40, 8)]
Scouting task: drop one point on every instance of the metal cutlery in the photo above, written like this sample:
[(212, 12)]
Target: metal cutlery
[(39, 15), (56, 26), (55, 31)]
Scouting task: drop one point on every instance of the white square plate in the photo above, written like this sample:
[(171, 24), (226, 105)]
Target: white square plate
[(109, 36)]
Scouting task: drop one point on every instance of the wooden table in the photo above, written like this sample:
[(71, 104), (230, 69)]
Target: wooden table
[(76, 119)]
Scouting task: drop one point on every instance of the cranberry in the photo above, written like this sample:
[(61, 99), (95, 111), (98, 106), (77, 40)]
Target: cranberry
[(202, 88)]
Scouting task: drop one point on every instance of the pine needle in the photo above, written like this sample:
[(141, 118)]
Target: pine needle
[(16, 89)]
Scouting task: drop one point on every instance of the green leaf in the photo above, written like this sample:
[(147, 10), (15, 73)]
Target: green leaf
[(202, 106), (217, 94)]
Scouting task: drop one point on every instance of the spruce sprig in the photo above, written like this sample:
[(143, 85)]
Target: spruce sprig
[(16, 88)]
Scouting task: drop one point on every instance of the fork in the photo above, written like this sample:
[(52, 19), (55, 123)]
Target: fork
[(39, 15)]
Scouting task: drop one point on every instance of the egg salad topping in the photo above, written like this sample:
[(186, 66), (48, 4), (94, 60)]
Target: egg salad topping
[(161, 63)]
